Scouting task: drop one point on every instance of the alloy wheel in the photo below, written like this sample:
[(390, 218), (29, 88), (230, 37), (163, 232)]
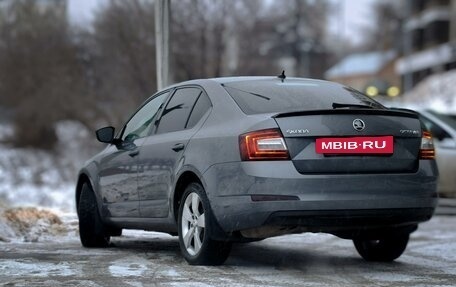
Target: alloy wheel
[(193, 223)]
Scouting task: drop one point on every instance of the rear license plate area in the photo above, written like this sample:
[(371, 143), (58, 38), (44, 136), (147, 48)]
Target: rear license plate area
[(381, 145)]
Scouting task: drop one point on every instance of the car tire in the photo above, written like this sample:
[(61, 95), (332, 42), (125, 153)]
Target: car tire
[(92, 231), (195, 225), (112, 231), (382, 250)]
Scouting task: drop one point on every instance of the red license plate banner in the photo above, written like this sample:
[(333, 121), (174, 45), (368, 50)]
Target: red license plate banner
[(355, 145)]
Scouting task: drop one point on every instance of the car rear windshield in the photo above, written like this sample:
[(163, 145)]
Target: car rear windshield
[(275, 96)]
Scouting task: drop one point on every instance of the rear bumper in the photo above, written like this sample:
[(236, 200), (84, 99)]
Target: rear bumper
[(324, 202), (333, 220)]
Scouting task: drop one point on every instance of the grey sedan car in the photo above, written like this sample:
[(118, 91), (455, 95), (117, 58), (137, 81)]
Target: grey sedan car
[(240, 159)]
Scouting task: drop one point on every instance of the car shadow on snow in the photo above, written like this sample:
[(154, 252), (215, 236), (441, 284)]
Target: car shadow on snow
[(163, 246), (280, 255), (290, 256)]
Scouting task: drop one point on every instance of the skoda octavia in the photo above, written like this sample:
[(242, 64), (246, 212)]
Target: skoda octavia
[(240, 159)]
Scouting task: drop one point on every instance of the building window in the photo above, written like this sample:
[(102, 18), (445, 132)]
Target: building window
[(437, 32), (416, 6)]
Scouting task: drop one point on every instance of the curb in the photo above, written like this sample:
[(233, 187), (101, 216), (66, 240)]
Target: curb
[(446, 206)]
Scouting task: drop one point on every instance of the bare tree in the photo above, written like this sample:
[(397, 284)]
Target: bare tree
[(122, 45), (198, 30), (300, 34), (384, 33), (40, 73)]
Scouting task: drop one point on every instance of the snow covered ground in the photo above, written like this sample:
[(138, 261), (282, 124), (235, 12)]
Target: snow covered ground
[(153, 259)]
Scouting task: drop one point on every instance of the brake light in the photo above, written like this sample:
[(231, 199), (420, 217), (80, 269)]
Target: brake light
[(427, 150), (263, 145)]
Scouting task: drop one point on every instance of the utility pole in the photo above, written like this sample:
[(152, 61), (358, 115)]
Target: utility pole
[(407, 83), (162, 15)]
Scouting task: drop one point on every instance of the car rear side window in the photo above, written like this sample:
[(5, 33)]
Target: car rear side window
[(275, 96), (202, 105), (177, 111)]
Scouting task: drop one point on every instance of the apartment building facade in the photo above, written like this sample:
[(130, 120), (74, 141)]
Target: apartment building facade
[(429, 40)]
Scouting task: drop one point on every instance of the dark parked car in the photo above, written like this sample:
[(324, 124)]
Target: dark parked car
[(225, 160)]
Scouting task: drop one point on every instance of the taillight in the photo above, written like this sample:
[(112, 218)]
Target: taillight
[(263, 145), (427, 150)]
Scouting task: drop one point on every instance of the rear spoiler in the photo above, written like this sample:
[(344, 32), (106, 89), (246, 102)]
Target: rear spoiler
[(357, 111)]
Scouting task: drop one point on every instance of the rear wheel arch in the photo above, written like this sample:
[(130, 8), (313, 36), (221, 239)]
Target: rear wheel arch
[(184, 180), (196, 229)]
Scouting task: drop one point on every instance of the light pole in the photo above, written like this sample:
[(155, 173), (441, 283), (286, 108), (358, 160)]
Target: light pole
[(162, 15)]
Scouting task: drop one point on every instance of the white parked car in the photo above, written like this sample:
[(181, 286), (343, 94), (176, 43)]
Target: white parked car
[(443, 129)]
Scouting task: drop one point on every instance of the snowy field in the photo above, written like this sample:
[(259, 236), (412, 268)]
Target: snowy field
[(31, 177)]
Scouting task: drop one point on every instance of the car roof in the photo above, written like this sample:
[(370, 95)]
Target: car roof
[(227, 80), (257, 79)]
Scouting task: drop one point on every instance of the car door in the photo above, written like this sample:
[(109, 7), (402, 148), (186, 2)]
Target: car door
[(162, 152), (119, 166)]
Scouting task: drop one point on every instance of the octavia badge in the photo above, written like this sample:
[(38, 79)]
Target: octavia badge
[(358, 124)]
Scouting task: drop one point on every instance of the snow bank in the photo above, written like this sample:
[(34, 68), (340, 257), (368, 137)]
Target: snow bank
[(437, 92), (31, 224)]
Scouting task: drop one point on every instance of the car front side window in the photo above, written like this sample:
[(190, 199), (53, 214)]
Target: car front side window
[(139, 125)]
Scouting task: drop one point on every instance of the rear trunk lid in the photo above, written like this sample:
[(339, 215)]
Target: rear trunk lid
[(344, 141)]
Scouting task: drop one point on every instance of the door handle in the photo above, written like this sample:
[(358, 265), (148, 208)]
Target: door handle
[(178, 147), (133, 153)]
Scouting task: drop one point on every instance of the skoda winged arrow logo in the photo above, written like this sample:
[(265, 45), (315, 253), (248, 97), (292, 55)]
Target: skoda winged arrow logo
[(358, 124)]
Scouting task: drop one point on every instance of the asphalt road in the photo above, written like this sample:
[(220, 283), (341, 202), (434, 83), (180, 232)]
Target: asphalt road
[(153, 259)]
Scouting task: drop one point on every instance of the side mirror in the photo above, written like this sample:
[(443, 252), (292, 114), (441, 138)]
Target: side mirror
[(105, 135)]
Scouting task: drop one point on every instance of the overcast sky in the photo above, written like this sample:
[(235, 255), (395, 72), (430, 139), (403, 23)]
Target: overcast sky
[(350, 15), (81, 11)]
